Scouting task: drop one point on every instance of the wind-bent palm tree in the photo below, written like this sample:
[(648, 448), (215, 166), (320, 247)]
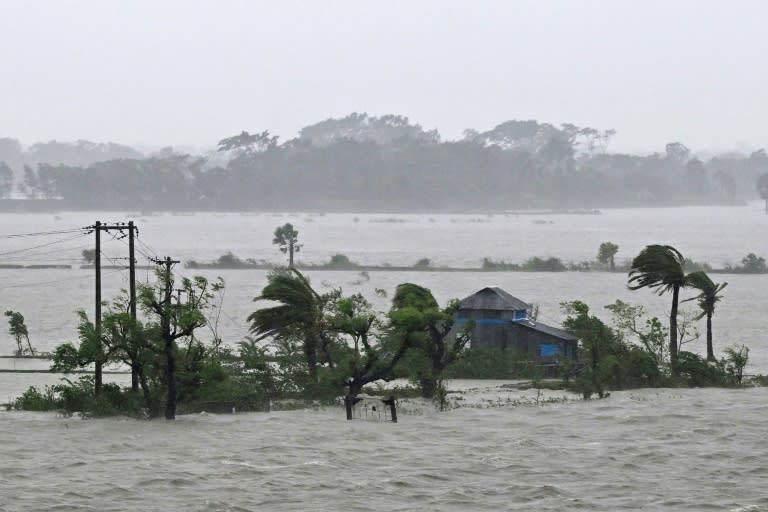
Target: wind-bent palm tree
[(660, 268), (707, 299), (299, 313)]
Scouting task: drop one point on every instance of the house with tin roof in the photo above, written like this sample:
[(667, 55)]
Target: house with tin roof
[(504, 322)]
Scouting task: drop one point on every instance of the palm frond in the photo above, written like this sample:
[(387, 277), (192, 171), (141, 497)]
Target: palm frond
[(659, 267)]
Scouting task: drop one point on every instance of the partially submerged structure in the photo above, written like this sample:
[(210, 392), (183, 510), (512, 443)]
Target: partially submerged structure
[(504, 322)]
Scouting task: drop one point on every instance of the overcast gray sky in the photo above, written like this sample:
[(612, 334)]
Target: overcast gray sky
[(189, 73)]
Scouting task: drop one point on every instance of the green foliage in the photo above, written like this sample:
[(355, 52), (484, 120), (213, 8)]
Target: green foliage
[(287, 239), (695, 371), (608, 362), (750, 264), (493, 364), (658, 267), (34, 399), (89, 255), (423, 264), (606, 254), (340, 261), (535, 264), (736, 359), (691, 265), (416, 318), (634, 325), (18, 329)]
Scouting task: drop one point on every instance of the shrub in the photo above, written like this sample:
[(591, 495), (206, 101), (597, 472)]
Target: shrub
[(696, 371), (340, 261), (34, 399)]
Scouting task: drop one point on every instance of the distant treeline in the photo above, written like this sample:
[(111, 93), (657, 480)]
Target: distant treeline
[(364, 162)]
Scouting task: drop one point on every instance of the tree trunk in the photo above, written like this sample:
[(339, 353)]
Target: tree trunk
[(290, 254), (151, 404), (613, 264), (310, 352), (673, 329), (428, 386), (170, 376), (710, 349), (31, 350)]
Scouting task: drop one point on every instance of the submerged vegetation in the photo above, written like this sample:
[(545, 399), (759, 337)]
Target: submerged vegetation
[(313, 346)]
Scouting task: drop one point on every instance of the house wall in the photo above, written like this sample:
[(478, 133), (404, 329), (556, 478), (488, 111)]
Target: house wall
[(494, 330)]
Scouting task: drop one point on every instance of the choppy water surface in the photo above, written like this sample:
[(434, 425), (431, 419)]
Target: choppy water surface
[(648, 449)]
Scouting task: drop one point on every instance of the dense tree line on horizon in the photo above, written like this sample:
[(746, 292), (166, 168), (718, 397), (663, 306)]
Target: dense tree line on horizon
[(365, 162)]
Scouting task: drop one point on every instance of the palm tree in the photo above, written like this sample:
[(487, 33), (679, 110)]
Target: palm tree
[(707, 299), (299, 313), (660, 268), (287, 238)]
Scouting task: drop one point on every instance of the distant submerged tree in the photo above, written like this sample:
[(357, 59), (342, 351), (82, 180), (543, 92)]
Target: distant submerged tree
[(606, 254), (287, 238), (708, 297), (762, 188), (18, 329), (660, 268), (6, 180)]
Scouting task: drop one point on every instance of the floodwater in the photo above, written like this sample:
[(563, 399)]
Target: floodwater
[(693, 449), (668, 449)]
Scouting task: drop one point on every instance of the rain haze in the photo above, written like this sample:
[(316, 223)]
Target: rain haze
[(187, 73), (388, 256)]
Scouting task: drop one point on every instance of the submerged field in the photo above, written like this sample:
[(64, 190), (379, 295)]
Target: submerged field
[(661, 449)]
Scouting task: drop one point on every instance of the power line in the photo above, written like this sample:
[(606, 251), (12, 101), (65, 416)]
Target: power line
[(16, 251), (37, 283), (42, 233)]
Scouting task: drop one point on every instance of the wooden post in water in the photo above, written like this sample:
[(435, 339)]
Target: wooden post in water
[(392, 410)]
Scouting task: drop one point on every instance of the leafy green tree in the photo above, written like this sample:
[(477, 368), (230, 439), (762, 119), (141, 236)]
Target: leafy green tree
[(709, 296), (597, 344), (299, 315), (287, 238), (416, 318), (660, 268), (18, 329), (370, 359), (143, 347), (607, 253), (736, 358), (632, 322), (177, 321)]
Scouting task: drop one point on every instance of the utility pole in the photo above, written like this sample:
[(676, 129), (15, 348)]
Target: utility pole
[(97, 321), (97, 228), (132, 231), (168, 338)]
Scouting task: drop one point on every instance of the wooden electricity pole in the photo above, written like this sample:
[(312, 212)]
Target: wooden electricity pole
[(132, 231), (97, 321), (97, 228)]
